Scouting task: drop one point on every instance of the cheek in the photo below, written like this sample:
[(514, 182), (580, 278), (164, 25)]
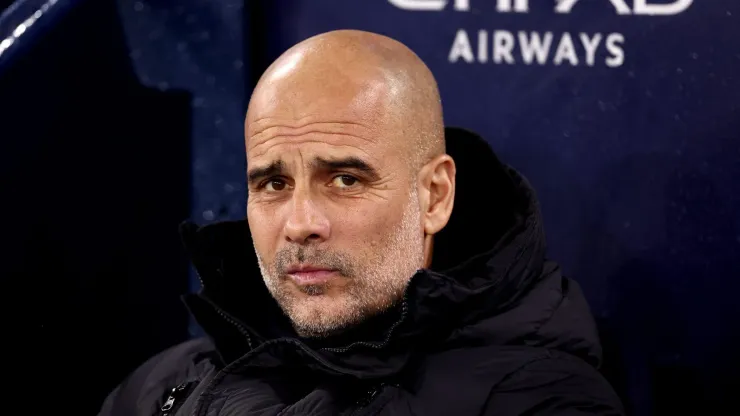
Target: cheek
[(264, 229), (367, 226)]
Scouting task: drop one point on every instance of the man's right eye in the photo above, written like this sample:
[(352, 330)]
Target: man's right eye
[(274, 185)]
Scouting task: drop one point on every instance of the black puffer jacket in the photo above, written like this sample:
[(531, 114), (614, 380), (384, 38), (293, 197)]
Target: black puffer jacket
[(495, 329)]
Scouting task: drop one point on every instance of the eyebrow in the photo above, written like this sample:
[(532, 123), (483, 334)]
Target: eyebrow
[(273, 169), (277, 168), (352, 162)]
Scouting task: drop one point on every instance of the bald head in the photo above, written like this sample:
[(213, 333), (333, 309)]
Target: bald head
[(358, 77), (347, 176)]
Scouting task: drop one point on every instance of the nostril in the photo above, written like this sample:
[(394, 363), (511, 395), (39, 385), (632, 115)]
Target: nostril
[(311, 237)]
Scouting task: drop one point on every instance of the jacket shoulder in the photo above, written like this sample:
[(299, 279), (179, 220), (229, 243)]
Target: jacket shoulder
[(145, 389), (554, 384)]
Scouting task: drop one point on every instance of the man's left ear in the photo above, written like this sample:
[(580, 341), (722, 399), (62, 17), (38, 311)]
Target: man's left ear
[(437, 179)]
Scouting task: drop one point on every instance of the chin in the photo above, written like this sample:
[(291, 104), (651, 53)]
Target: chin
[(322, 315), (317, 332)]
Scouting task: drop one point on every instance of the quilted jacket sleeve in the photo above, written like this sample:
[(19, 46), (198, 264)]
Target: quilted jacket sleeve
[(555, 387), (144, 390)]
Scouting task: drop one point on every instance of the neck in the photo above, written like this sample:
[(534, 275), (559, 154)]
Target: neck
[(428, 250)]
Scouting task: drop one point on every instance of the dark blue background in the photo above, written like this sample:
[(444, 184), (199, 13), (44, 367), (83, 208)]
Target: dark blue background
[(637, 166)]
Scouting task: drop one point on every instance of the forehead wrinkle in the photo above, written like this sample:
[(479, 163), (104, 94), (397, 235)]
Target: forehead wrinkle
[(265, 122), (299, 122), (281, 128), (283, 134), (370, 157), (277, 132)]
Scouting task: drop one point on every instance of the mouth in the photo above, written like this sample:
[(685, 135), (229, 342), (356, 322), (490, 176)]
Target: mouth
[(305, 274)]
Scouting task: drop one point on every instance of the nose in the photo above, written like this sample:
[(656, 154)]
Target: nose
[(306, 223)]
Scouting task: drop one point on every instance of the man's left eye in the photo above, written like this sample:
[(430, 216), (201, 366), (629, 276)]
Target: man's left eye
[(344, 181)]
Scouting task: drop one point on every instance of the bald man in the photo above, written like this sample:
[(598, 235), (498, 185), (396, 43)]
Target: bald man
[(387, 265)]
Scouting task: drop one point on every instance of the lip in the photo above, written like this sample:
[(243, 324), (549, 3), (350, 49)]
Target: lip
[(309, 274)]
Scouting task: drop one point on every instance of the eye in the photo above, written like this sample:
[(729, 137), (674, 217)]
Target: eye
[(344, 181), (274, 185)]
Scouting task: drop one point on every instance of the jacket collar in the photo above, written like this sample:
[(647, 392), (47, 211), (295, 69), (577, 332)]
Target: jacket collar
[(479, 277)]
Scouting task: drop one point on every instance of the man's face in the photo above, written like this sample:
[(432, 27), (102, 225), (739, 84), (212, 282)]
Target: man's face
[(333, 208)]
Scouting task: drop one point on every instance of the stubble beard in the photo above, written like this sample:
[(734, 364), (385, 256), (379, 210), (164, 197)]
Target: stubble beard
[(371, 284)]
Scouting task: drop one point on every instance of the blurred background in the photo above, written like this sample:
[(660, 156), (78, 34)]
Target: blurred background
[(119, 119)]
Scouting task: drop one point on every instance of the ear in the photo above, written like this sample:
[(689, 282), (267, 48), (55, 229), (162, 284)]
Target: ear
[(437, 180)]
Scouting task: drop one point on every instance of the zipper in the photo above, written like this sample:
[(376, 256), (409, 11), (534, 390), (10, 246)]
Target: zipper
[(365, 401), (369, 396), (228, 318), (234, 322), (376, 345), (230, 368), (176, 398), (236, 364), (243, 331)]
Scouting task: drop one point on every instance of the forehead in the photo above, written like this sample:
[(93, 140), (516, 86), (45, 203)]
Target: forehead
[(356, 118)]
